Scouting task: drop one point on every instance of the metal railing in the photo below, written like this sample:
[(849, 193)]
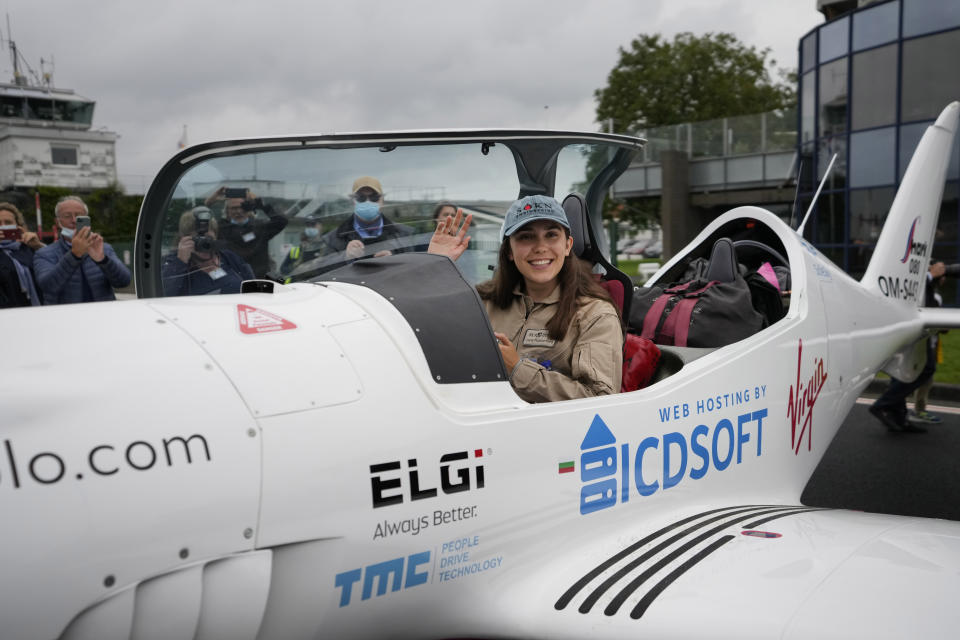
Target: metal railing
[(749, 151), (740, 135)]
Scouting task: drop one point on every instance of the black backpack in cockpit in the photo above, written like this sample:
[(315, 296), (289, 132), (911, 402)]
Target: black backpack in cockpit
[(715, 303)]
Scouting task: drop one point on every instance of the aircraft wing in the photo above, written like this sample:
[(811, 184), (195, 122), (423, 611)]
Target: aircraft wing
[(940, 318), (767, 571)]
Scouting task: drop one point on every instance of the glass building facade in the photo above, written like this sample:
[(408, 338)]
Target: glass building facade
[(871, 81)]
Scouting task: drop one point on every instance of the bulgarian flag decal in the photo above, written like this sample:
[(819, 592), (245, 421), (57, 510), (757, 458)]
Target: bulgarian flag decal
[(566, 467)]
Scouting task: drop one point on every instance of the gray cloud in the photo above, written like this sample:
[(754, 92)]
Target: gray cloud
[(241, 68)]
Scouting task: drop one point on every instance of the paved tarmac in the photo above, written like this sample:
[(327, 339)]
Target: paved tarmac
[(868, 468)]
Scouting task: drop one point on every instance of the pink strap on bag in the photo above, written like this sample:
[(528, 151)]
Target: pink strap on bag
[(652, 319), (679, 320), (676, 326)]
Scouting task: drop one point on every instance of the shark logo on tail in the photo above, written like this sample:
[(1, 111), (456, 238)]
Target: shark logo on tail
[(913, 229)]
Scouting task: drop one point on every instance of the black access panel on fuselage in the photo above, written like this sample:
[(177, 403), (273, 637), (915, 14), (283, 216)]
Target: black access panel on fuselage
[(442, 307)]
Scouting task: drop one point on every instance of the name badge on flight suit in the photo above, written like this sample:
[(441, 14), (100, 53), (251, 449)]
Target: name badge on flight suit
[(249, 236), (538, 338), (217, 273)]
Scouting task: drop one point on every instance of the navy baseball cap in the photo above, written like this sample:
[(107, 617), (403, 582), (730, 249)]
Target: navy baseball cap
[(529, 209)]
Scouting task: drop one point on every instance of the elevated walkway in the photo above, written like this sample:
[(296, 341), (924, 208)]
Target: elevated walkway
[(754, 152)]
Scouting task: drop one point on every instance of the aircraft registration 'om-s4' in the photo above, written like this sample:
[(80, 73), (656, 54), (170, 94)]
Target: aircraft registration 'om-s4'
[(342, 455)]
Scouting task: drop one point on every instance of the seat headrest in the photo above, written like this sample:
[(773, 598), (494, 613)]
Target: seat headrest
[(723, 261), (575, 207)]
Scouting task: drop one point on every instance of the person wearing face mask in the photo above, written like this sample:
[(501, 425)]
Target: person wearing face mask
[(311, 246), (244, 233), (79, 266), (199, 266), (559, 332), (17, 283), (368, 232)]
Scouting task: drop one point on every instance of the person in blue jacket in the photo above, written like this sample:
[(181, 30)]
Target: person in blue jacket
[(199, 266), (79, 266), (17, 246)]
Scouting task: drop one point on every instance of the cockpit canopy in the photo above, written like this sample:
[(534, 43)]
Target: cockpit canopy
[(295, 195)]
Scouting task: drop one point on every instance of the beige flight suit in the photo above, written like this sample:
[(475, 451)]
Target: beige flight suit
[(587, 362)]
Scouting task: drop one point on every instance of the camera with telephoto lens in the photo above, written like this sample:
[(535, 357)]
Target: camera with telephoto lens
[(201, 241)]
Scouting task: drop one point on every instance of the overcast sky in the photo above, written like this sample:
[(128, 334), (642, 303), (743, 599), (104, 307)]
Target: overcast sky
[(239, 68)]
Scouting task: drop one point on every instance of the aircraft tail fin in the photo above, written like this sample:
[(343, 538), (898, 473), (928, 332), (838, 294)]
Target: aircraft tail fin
[(898, 267)]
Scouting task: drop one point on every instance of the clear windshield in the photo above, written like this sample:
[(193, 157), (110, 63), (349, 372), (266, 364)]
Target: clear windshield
[(297, 216)]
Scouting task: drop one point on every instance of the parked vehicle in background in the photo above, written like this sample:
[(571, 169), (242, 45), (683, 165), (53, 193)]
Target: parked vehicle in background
[(654, 250)]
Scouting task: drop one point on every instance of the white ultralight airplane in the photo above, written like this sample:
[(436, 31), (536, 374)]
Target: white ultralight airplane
[(343, 457)]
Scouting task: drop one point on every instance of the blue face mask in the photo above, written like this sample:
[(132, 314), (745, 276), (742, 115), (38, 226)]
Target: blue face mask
[(367, 211), (311, 232), (240, 222)]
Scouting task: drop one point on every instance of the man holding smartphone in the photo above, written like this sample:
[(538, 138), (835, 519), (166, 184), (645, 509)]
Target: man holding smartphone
[(241, 231), (79, 266)]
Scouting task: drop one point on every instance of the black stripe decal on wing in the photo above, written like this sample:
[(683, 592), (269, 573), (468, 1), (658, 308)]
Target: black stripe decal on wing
[(757, 523), (606, 564), (634, 584), (729, 516), (651, 595), (743, 514)]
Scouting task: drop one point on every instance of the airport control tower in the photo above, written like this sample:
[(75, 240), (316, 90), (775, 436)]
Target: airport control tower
[(46, 137)]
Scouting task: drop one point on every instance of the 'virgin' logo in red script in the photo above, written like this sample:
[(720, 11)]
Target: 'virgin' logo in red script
[(801, 401)]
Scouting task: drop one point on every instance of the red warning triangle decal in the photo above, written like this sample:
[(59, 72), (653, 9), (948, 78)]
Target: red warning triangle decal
[(253, 320)]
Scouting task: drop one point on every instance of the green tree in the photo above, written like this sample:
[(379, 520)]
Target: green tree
[(658, 82)]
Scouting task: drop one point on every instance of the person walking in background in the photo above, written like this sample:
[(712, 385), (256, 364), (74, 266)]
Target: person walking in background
[(891, 407), (79, 266), (919, 414)]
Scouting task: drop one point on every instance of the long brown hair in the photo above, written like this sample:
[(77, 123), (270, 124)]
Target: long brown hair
[(575, 281)]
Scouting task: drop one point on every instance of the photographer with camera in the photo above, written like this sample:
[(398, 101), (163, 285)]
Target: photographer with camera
[(17, 282), (199, 266), (79, 266), (242, 232)]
